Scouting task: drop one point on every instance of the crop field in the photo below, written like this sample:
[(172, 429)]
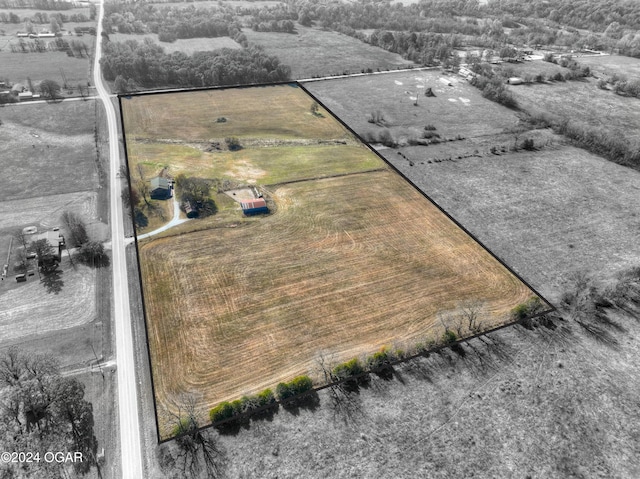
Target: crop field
[(184, 45), (343, 266), (313, 52)]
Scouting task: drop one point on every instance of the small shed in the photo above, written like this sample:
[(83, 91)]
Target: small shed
[(160, 188), (254, 206)]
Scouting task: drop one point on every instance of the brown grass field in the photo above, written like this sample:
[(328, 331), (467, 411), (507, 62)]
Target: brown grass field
[(314, 52), (344, 266)]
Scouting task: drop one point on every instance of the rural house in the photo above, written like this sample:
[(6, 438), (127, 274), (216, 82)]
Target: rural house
[(160, 188), (254, 206), (55, 240)]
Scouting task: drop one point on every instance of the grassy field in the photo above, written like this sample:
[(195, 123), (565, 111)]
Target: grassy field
[(184, 45), (249, 112), (364, 252), (354, 99), (583, 102), (268, 165), (610, 64), (17, 67), (55, 139), (313, 52)]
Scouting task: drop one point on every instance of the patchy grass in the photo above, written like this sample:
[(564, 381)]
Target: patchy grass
[(187, 46), (49, 149), (314, 52), (267, 165)]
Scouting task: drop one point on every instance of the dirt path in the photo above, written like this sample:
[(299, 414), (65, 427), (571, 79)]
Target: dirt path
[(176, 220)]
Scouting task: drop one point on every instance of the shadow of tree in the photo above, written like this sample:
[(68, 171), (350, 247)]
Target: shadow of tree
[(52, 281)]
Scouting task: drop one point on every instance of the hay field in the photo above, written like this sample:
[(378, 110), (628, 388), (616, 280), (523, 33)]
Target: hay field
[(346, 266), (313, 52)]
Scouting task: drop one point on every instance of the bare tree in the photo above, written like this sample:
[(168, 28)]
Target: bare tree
[(194, 452)]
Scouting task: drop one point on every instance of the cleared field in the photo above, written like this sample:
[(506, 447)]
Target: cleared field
[(313, 52), (354, 99), (609, 64), (346, 266), (260, 112), (184, 45), (343, 266), (48, 149)]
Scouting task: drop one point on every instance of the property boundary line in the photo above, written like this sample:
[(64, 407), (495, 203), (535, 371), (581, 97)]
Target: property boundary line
[(298, 84)]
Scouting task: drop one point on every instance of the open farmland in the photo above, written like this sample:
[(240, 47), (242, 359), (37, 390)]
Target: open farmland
[(343, 266), (354, 99), (313, 52), (610, 64), (549, 212)]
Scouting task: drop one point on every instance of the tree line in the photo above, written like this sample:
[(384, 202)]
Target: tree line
[(145, 64)]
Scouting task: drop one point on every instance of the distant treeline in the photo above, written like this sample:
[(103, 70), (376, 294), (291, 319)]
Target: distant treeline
[(43, 18), (146, 64), (38, 4)]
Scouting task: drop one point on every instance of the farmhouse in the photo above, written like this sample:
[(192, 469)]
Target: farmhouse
[(254, 206), (160, 188), (55, 240)]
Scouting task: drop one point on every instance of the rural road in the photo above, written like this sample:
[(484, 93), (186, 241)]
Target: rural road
[(174, 221), (130, 457)]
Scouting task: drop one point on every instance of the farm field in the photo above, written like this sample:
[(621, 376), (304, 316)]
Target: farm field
[(557, 206), (364, 252), (184, 45), (17, 67), (313, 52), (610, 64)]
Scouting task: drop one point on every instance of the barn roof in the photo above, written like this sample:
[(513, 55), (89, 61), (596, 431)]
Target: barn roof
[(255, 203), (159, 182)]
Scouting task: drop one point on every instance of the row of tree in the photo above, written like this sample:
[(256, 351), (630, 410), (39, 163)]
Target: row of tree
[(147, 65)]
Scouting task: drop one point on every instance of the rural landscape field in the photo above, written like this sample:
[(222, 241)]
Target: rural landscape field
[(351, 258), (311, 310)]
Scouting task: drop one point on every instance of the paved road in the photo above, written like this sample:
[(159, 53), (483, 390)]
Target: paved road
[(131, 457), (176, 220)]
